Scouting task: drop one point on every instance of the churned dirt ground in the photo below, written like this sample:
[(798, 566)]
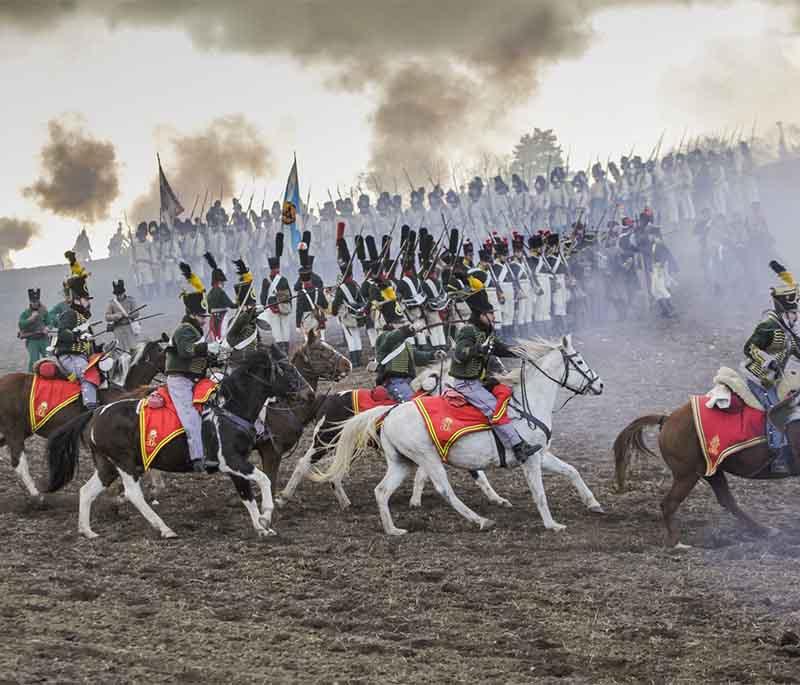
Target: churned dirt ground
[(334, 600)]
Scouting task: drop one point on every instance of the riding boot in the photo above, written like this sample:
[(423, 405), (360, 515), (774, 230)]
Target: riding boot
[(284, 347), (523, 450), (355, 358)]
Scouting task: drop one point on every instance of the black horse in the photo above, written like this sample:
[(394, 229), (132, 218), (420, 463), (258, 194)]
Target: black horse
[(228, 437)]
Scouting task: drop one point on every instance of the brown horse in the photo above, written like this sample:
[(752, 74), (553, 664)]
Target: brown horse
[(15, 390), (287, 418), (681, 450)]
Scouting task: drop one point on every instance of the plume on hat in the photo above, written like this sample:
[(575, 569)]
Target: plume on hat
[(242, 271), (192, 278), (785, 275), (210, 259), (75, 267)]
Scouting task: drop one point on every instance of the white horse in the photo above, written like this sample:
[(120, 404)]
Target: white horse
[(545, 368)]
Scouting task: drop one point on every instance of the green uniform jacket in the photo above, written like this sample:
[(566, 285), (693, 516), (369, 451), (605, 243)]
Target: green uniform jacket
[(69, 342), (186, 355), (470, 359), (403, 364), (217, 298), (243, 328), (769, 338), (34, 327)]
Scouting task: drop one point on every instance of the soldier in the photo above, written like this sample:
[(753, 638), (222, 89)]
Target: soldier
[(168, 258), (474, 344), (242, 333), (409, 287), (521, 203), (599, 195), (581, 198), (276, 297), (367, 253), (311, 300), (415, 214), (116, 245), (436, 300), (558, 270), (541, 204), (432, 218), (186, 362), (74, 337), (659, 274), (476, 209), (348, 304), (526, 292), (559, 201), (397, 358), (505, 278), (55, 313), (141, 263), (485, 266), (219, 303), (365, 221), (540, 268), (121, 315), (33, 328)]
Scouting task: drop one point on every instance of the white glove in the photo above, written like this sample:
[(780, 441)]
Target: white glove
[(82, 328), (439, 355), (214, 347), (85, 337), (418, 325)]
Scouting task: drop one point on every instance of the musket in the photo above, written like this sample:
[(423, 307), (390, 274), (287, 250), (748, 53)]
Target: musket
[(194, 206), (202, 209), (263, 199), (133, 250), (339, 192), (241, 194), (436, 248), (340, 277), (250, 204), (220, 192), (330, 197), (753, 132), (408, 178)]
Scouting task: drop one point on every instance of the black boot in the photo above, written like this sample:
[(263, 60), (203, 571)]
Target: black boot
[(355, 358), (523, 450)]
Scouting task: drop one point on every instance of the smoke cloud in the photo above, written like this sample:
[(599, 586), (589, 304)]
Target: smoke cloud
[(79, 178), (208, 160), (15, 234)]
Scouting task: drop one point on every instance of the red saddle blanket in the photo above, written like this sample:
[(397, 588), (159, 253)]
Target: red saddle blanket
[(48, 397), (449, 417), (159, 425), (726, 432), (364, 399)]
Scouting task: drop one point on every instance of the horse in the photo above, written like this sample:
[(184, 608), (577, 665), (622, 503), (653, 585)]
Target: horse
[(228, 436), (287, 418), (682, 451), (15, 391), (545, 368)]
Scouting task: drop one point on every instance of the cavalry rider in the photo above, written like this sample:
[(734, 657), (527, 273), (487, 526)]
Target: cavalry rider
[(74, 338), (474, 343), (768, 349), (397, 357), (33, 323), (218, 300), (242, 335), (121, 315), (186, 363), (311, 300), (276, 297), (348, 303)]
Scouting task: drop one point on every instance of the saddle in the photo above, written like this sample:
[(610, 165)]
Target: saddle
[(50, 368)]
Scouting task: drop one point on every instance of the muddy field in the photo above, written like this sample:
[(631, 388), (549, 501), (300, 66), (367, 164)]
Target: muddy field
[(334, 600)]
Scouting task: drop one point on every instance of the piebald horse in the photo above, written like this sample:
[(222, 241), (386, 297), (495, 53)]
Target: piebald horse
[(228, 438), (545, 368), (15, 390)]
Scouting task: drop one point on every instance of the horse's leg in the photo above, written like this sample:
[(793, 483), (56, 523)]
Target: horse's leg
[(532, 469), (341, 495), (487, 489), (550, 462), (420, 478), (438, 476), (133, 491), (245, 491), (104, 475), (270, 462), (682, 485), (15, 442), (397, 468), (244, 469), (301, 468), (719, 483), (157, 483)]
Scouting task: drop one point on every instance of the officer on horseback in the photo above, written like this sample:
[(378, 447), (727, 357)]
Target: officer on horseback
[(767, 353), (186, 363), (74, 338), (474, 343)]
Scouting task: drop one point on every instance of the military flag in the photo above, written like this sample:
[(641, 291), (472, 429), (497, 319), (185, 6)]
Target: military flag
[(291, 204), (171, 207)]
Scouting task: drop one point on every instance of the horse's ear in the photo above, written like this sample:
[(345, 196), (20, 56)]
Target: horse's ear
[(311, 336), (566, 341), (164, 338)]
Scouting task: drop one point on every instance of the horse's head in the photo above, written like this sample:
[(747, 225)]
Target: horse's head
[(285, 378), (578, 376), (317, 360), (148, 361), (790, 383)]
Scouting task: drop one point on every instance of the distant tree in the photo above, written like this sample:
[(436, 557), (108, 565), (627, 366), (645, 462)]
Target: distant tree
[(535, 153)]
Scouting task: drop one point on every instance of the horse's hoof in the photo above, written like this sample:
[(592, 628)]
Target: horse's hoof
[(280, 502), (681, 547), (344, 505), (37, 501), (168, 534), (265, 521), (155, 502), (556, 526), (266, 532), (396, 531), (597, 509), (88, 534), (487, 524), (503, 502)]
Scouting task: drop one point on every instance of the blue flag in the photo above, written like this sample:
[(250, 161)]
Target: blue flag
[(291, 205)]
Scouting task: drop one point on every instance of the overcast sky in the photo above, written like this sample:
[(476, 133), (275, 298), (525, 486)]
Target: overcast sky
[(137, 84)]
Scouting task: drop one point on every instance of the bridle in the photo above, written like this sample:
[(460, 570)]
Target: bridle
[(589, 377)]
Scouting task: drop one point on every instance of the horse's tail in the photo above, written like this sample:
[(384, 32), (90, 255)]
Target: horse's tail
[(631, 440), (63, 449), (352, 441)]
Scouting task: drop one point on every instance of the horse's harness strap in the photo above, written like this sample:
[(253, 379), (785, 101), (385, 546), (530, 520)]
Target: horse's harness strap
[(242, 424)]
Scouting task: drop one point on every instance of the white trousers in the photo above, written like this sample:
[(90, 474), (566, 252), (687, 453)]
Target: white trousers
[(352, 336), (281, 325)]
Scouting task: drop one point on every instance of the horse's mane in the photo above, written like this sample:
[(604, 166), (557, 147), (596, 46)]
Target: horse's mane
[(536, 348), (139, 353)]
